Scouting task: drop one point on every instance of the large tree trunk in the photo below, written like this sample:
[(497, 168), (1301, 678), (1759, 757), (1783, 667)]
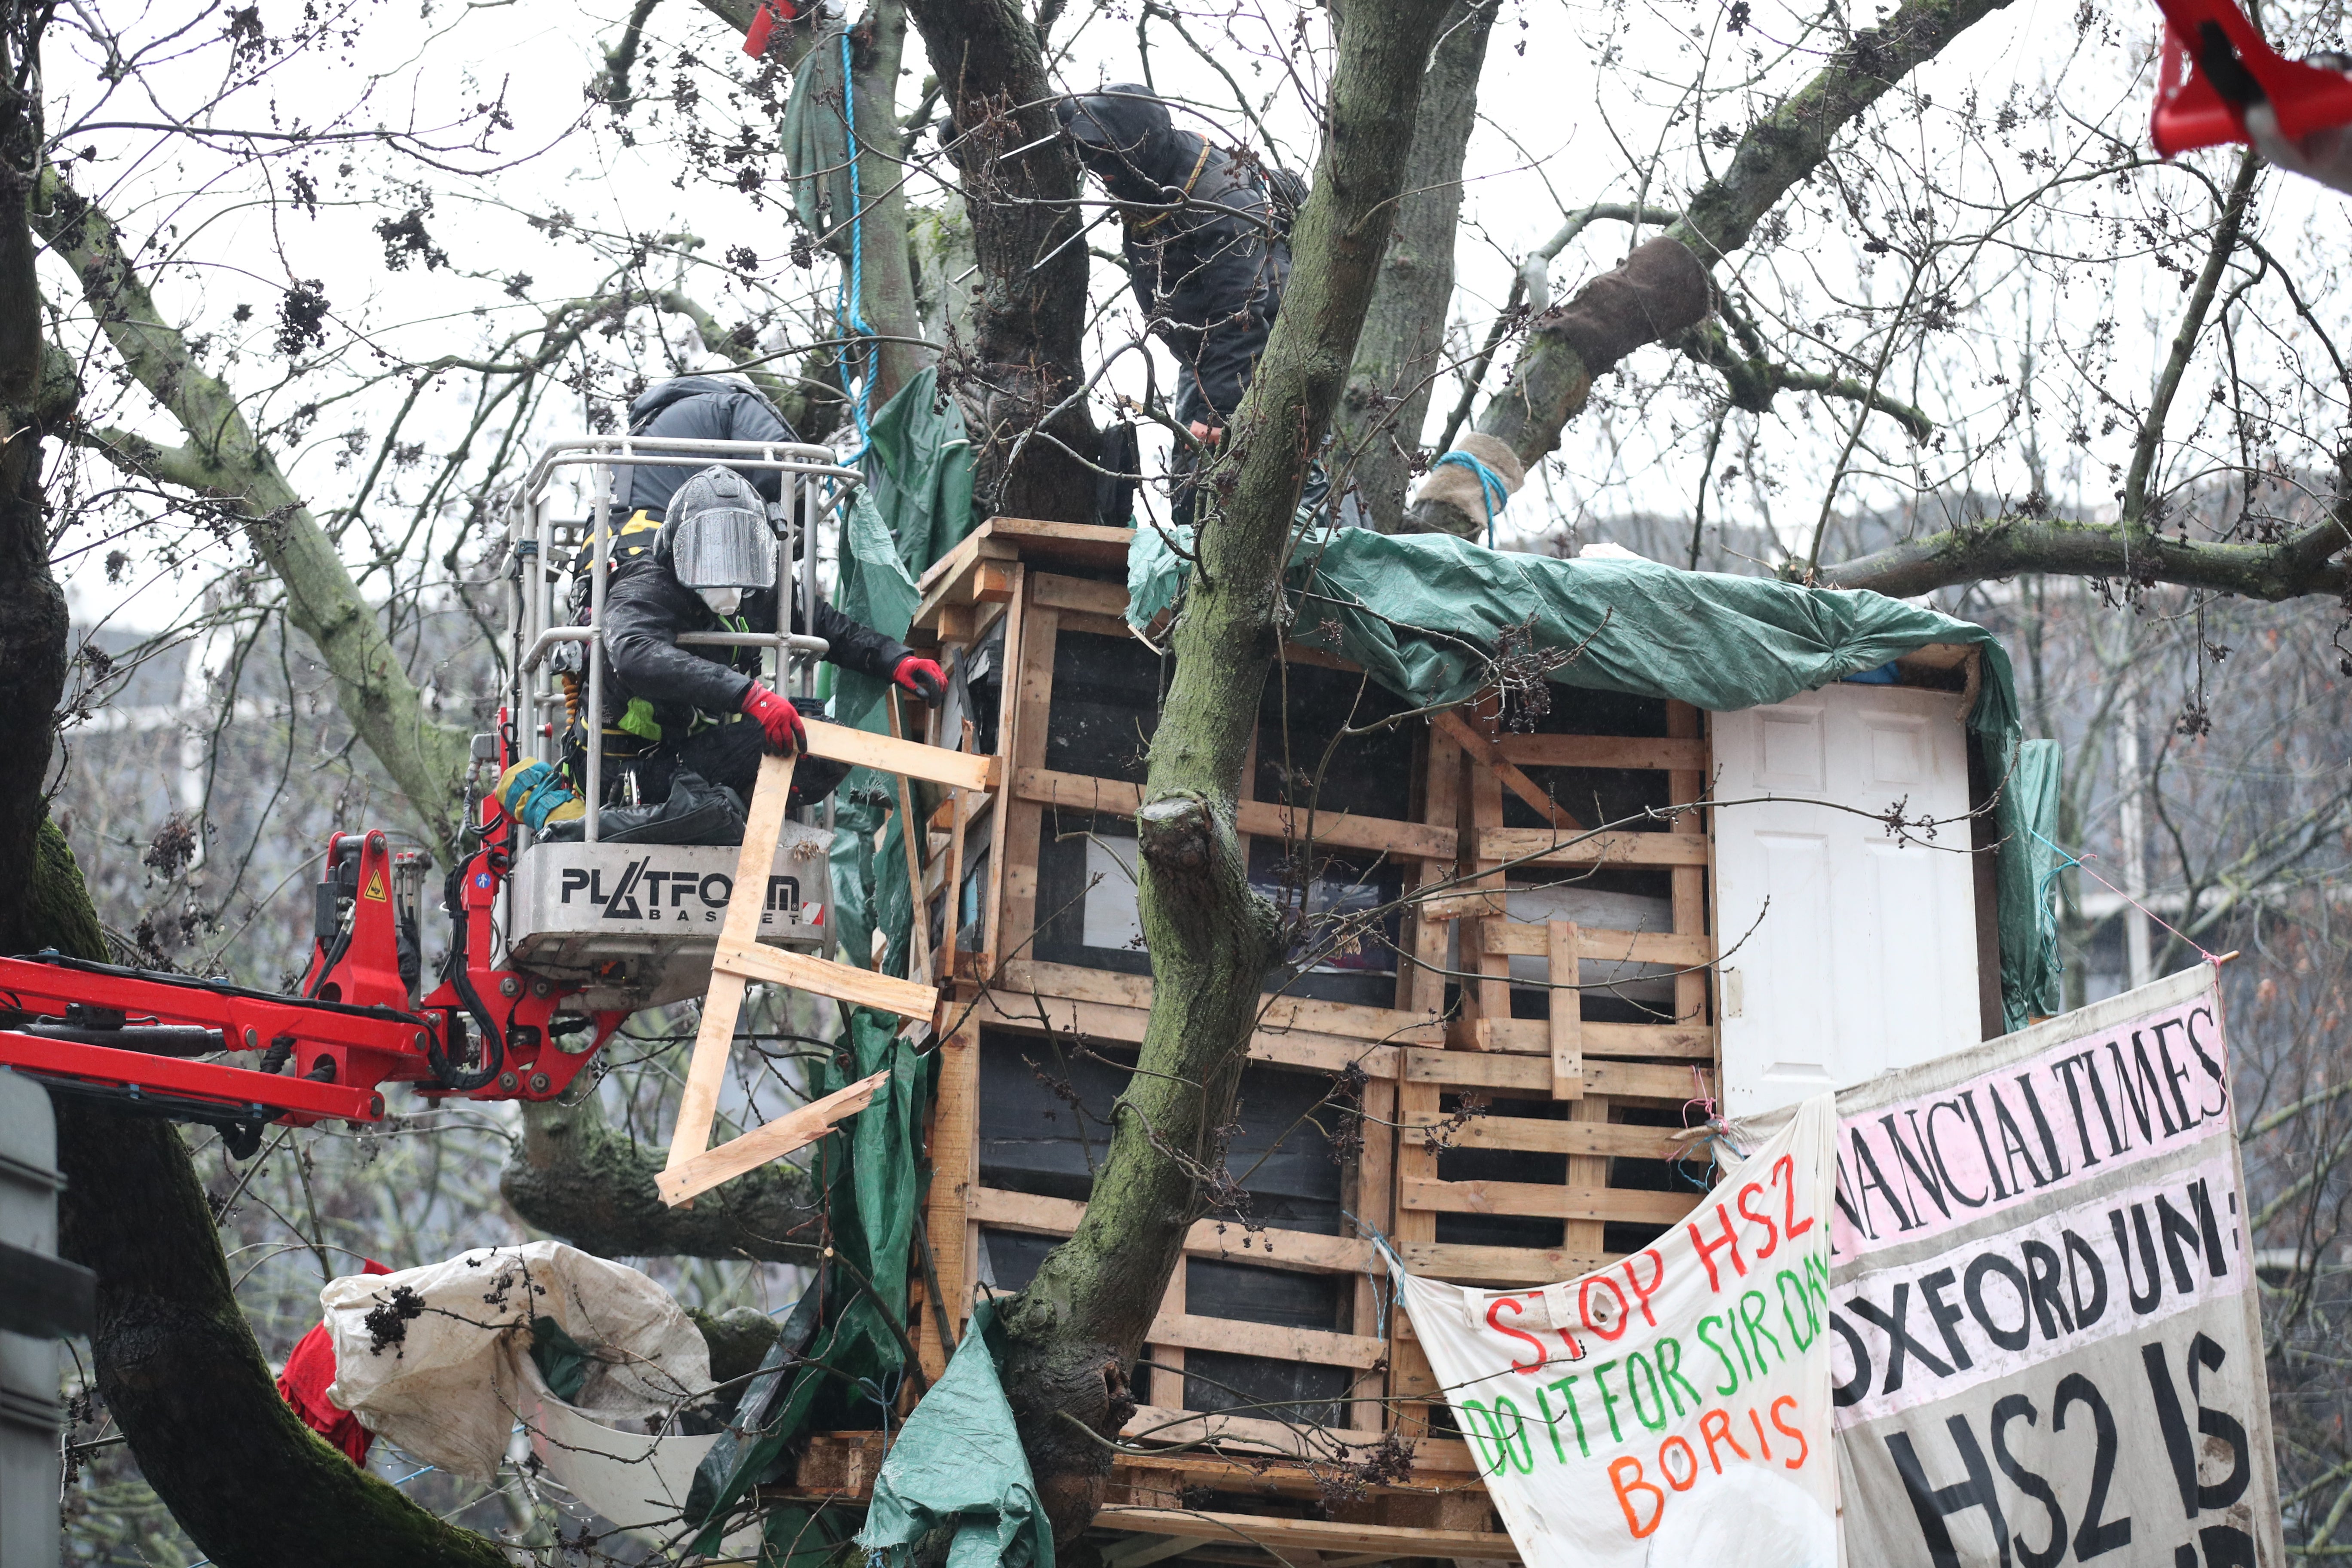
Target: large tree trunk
[(1021, 381), (1650, 297), (1376, 434), (251, 1485), (1083, 1319), (575, 1178), (888, 294), (33, 618)]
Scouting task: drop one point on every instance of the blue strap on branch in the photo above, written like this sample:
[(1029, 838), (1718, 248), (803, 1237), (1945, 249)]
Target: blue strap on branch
[(1491, 488), (849, 302)]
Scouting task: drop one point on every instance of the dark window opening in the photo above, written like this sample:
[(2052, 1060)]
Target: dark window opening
[(1044, 1106)]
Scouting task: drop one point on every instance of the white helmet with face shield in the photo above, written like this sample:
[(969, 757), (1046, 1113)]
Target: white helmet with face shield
[(719, 540)]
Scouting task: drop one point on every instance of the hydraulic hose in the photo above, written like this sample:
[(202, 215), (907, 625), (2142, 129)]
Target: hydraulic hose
[(456, 972)]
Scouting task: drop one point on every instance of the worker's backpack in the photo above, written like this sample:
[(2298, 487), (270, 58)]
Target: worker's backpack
[(1285, 193)]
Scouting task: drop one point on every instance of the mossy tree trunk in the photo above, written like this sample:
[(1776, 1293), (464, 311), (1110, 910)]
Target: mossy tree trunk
[(1083, 1319), (36, 394), (1020, 381), (1377, 430)]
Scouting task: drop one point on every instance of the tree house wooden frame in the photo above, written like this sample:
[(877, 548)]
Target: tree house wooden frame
[(1611, 1091)]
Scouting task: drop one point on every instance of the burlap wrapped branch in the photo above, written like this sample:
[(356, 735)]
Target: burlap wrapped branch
[(1659, 291), (1459, 486)]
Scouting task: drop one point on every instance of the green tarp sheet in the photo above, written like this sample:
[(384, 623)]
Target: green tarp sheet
[(958, 1465), (1425, 615), (839, 1359), (814, 136)]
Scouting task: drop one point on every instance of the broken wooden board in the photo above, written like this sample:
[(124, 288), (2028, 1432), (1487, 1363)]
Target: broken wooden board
[(773, 1140), (693, 1165), (909, 759)]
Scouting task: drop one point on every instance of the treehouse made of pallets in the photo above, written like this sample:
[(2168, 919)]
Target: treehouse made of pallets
[(1511, 1134)]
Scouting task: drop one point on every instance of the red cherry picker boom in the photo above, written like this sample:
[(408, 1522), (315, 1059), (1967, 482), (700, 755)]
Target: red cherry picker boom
[(551, 945)]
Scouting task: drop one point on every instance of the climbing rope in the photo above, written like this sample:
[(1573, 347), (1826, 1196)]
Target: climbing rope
[(848, 306)]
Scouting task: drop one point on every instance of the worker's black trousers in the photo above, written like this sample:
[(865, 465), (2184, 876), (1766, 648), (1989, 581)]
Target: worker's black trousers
[(726, 755)]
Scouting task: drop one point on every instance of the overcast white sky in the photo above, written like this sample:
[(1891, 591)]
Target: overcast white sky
[(1560, 128)]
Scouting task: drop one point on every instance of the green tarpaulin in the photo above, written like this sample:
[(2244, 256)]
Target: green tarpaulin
[(1427, 614), (840, 1357), (958, 1465), (815, 135)]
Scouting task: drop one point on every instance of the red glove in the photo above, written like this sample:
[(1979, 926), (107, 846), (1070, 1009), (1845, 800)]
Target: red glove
[(779, 718), (924, 679)]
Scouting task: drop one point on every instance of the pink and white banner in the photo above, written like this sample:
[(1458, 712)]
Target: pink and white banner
[(2044, 1332)]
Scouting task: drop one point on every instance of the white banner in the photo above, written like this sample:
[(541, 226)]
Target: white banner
[(1673, 1408), (2044, 1314)]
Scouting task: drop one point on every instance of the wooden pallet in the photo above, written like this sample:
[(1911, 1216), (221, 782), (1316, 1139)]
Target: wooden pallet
[(1459, 851), (694, 1166)]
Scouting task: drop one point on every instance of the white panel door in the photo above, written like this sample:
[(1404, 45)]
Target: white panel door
[(1846, 952)]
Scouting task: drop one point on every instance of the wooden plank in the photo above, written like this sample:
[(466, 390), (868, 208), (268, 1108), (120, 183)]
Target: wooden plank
[(912, 835), (1083, 792), (1345, 831), (1008, 730), (1688, 883), (1492, 989), (1194, 1331), (1533, 1135), (909, 759), (1464, 906), (1485, 753), (714, 1039), (1087, 544), (1157, 1424), (1059, 592), (958, 811), (1566, 1024), (1543, 846), (1303, 1251), (1383, 1025), (1500, 1265), (1473, 1069), (764, 1144), (1033, 692), (1530, 1036), (1107, 1021), (991, 582), (1096, 625), (952, 1140), (1541, 1200), (1601, 752), (1528, 939), (1308, 1534), (1938, 655), (858, 987), (980, 543), (1372, 1177), (1587, 1234), (1167, 1378)]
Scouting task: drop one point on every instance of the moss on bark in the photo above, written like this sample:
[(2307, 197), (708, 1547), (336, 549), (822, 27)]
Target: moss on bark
[(1079, 1324)]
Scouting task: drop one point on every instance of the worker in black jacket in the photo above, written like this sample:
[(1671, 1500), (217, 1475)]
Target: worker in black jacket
[(1207, 252), (716, 408), (712, 567)]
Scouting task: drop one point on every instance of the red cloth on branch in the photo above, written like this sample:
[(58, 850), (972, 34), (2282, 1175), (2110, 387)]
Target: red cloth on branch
[(303, 1385)]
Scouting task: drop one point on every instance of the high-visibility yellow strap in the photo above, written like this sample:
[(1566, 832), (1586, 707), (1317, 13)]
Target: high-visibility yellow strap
[(1190, 181)]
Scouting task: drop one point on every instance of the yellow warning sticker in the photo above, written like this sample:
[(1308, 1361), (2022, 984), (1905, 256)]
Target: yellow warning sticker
[(375, 886)]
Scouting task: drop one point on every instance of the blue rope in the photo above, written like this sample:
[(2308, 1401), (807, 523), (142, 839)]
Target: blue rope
[(1380, 1302), (2045, 920), (1491, 489), (849, 304)]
